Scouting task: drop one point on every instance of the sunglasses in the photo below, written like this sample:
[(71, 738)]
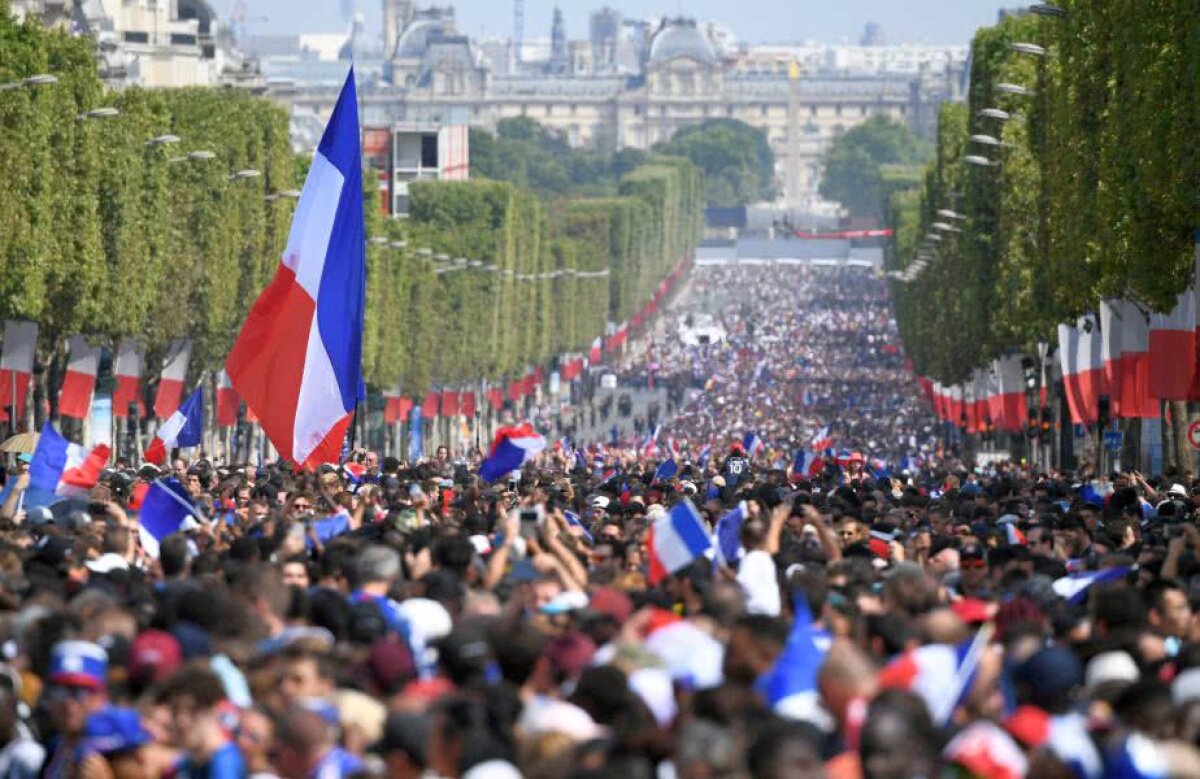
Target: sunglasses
[(973, 565), (301, 506)]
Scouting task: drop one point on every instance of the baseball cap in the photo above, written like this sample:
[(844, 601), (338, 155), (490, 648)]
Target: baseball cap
[(612, 603), (78, 664), (1106, 667), (113, 729), (153, 656), (971, 610)]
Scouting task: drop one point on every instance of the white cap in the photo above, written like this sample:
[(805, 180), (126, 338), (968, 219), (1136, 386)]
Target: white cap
[(550, 716), (600, 502), (1116, 666), (1177, 489)]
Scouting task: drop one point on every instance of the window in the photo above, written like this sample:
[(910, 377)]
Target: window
[(182, 39), (837, 109), (429, 151), (549, 109), (763, 110), (812, 110), (573, 109), (137, 36)]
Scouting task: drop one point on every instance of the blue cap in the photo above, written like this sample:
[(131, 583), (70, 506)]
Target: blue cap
[(25, 457), (114, 729), (79, 664)]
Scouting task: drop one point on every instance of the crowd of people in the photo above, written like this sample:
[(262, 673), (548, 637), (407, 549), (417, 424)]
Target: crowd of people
[(805, 348), (592, 615)]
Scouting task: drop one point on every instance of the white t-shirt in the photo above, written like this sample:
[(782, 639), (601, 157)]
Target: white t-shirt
[(756, 574)]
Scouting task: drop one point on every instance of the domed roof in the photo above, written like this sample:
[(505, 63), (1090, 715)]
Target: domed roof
[(415, 38), (681, 38)]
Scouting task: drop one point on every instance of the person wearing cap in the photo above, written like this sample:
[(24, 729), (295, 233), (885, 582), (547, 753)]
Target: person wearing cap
[(76, 687), (194, 696), (973, 572), (116, 744)]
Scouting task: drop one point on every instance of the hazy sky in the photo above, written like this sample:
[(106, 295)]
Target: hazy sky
[(931, 21)]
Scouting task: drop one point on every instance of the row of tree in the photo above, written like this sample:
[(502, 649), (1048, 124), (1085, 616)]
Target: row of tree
[(1093, 186), (541, 279)]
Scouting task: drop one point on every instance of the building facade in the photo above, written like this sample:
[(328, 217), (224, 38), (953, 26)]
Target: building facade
[(432, 74)]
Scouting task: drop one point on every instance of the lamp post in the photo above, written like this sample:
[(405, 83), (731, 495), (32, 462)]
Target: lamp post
[(41, 79)]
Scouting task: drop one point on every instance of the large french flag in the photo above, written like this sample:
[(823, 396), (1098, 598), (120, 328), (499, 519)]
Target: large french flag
[(595, 351), (511, 448), (1074, 588), (75, 397), (1136, 399), (675, 540), (60, 468), (942, 674), (184, 428), (127, 367), (16, 365), (1011, 393), (165, 509), (1173, 349), (1111, 314), (170, 381), (227, 401), (298, 360)]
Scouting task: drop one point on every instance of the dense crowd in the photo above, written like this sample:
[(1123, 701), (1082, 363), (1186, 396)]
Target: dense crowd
[(380, 617), (804, 348)]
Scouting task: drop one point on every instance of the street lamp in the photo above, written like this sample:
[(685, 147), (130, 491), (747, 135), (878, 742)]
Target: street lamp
[(995, 113), (162, 140), (1006, 88), (398, 244), (1031, 49), (975, 159), (106, 112), (245, 173), (945, 227), (1046, 9), (201, 156), (986, 140), (33, 81), (947, 213)]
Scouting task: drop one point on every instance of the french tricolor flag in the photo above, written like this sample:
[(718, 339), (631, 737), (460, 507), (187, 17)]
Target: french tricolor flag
[(596, 351), (511, 448), (650, 443), (1074, 588), (227, 401), (75, 397), (170, 381), (127, 367), (1173, 349), (942, 674), (822, 440), (675, 540), (752, 444), (705, 454), (184, 428), (298, 360), (16, 365), (61, 468), (807, 464)]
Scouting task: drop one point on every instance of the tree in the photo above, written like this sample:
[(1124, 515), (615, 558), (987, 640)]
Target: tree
[(737, 161), (853, 163)]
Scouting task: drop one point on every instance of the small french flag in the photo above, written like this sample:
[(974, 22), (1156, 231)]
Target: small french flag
[(822, 440), (1014, 535), (666, 470), (1074, 588), (574, 521), (806, 464), (185, 427), (752, 444), (675, 540), (705, 454), (650, 444), (61, 468), (511, 448)]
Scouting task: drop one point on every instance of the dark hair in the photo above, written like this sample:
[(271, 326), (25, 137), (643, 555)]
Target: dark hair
[(173, 554), (197, 681)]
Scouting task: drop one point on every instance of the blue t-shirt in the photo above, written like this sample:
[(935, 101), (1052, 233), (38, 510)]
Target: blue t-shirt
[(329, 527), (226, 763), (337, 764), (394, 620)]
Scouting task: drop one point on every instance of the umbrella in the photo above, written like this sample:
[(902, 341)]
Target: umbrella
[(21, 442)]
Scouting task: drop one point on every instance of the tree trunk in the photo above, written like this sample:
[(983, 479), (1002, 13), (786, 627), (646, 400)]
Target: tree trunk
[(1180, 419)]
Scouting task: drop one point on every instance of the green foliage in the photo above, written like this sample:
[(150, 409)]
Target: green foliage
[(735, 158), (535, 157), (852, 164), (103, 234), (1094, 195)]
